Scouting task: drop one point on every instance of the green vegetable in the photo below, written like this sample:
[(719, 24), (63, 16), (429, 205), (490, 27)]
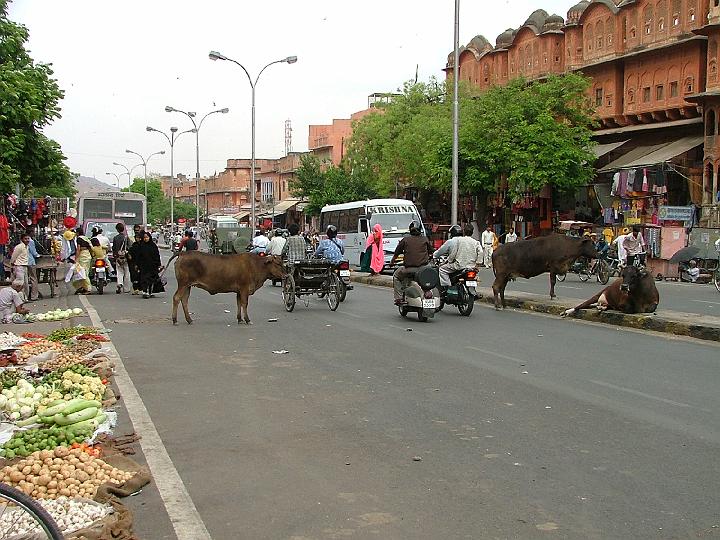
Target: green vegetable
[(29, 421), (79, 405), (74, 418), (24, 443), (62, 334)]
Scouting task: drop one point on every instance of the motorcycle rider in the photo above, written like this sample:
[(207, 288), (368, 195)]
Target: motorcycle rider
[(416, 250), (461, 251)]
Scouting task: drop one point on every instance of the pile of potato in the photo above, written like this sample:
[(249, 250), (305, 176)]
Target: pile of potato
[(63, 359), (49, 474), (39, 346), (83, 347)]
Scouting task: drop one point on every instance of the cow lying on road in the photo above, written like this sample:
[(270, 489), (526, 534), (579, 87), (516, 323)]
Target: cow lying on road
[(530, 258), (242, 274), (633, 292)]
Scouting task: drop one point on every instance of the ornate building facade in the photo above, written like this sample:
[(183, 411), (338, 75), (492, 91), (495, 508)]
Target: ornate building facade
[(655, 84)]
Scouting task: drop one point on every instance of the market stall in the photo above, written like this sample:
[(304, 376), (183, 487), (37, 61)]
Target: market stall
[(56, 434)]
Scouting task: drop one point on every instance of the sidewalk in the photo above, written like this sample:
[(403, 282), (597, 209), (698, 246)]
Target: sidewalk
[(668, 321)]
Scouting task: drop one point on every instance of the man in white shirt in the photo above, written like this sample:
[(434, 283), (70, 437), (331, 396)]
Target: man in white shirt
[(277, 243), (488, 240), (11, 302), (260, 242), (19, 261), (618, 242), (634, 245), (511, 236)]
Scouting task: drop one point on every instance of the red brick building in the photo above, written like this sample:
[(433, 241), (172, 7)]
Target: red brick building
[(655, 87)]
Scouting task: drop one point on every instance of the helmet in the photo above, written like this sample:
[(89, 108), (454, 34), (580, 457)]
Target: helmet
[(454, 231), (415, 227), (331, 231)]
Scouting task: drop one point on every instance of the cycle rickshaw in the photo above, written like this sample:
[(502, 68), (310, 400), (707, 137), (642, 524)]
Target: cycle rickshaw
[(305, 278)]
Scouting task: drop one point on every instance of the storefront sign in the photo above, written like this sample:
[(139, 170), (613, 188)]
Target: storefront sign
[(675, 213)]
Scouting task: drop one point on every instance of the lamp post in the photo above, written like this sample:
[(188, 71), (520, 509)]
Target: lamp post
[(456, 107), (171, 141), (117, 178), (197, 126), (128, 171), (214, 55), (144, 163)]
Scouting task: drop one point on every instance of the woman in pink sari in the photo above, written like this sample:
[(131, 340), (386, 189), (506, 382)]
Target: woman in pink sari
[(377, 256)]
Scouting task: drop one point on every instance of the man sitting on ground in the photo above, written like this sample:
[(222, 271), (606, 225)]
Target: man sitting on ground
[(11, 303)]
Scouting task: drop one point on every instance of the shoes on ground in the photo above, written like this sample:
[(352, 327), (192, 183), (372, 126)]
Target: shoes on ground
[(146, 295), (118, 290)]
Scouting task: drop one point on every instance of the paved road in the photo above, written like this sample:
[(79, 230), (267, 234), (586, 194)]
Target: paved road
[(685, 297), (527, 426)]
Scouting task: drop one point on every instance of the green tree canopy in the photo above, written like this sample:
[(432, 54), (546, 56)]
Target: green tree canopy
[(327, 184), (29, 101), (158, 206), (522, 136)]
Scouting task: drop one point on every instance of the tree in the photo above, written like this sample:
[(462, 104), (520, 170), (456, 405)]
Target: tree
[(158, 206), (520, 137), (327, 184), (30, 101)]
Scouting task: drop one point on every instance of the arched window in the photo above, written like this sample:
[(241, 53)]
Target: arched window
[(676, 8), (599, 33), (609, 30), (661, 15), (588, 38), (647, 21), (709, 179)]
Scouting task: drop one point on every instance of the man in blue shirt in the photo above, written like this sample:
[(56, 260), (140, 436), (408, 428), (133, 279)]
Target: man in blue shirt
[(331, 248), (33, 256)]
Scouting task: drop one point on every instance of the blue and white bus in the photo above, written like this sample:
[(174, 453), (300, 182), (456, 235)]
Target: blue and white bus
[(355, 220)]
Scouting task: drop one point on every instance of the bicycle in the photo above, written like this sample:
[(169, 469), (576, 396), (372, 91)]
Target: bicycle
[(716, 278), (20, 510)]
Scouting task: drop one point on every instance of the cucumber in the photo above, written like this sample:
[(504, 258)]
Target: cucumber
[(60, 407), (74, 418), (85, 427), (32, 420), (80, 405)]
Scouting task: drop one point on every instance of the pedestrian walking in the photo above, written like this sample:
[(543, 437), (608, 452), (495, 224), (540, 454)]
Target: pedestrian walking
[(511, 236), (81, 274), (33, 256), (119, 251), (149, 265), (134, 258), (488, 241), (375, 244)]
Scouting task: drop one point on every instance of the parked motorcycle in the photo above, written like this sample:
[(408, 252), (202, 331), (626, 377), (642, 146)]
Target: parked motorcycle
[(422, 296), (99, 275), (461, 292)]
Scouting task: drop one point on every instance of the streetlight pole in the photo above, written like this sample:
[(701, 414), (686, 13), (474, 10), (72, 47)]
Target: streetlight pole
[(214, 55), (128, 171), (197, 126), (144, 162), (171, 141), (456, 107), (117, 178)]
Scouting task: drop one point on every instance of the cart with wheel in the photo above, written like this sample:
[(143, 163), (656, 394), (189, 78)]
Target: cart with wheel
[(303, 279), (46, 267)]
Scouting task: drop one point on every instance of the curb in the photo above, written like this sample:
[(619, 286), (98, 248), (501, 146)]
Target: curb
[(638, 321)]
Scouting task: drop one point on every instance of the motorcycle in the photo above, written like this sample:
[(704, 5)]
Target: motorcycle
[(422, 295), (461, 292), (99, 275), (342, 269)]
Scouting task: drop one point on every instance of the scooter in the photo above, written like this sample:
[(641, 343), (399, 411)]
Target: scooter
[(99, 278), (461, 292), (422, 296)]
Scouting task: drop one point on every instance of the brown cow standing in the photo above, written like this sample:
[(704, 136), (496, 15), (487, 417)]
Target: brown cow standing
[(242, 274), (530, 258), (634, 292)]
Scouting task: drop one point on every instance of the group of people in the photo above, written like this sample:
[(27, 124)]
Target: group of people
[(295, 247), (137, 262)]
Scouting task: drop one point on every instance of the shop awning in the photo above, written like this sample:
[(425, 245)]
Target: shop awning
[(653, 154), (602, 149), (280, 208), (241, 215), (668, 152)]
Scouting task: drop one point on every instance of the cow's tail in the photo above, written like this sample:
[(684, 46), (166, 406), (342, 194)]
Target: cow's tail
[(168, 263)]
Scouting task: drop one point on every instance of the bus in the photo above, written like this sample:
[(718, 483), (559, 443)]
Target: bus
[(128, 207), (355, 220)]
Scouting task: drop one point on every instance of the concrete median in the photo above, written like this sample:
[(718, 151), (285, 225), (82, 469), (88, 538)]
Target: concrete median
[(667, 321)]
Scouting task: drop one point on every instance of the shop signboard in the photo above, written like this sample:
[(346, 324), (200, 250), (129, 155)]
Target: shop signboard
[(675, 213)]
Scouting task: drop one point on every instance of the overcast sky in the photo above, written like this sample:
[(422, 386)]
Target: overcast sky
[(121, 63)]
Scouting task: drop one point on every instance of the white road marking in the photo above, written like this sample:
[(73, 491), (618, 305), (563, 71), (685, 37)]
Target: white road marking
[(641, 394), (180, 508), (707, 302), (491, 353), (570, 287)]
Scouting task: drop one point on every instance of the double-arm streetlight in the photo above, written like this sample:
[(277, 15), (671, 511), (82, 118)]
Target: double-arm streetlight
[(117, 178), (197, 126), (144, 164), (171, 141), (214, 55), (128, 171)]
